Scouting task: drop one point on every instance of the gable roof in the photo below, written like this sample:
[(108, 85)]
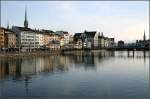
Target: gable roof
[(61, 33), (77, 35), (90, 34)]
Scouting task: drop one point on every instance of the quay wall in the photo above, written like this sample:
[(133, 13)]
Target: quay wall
[(29, 54)]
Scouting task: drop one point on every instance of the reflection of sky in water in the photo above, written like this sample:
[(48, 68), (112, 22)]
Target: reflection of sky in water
[(89, 74)]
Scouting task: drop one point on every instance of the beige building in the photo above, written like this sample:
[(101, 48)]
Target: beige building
[(78, 44), (65, 36), (11, 39), (7, 38), (55, 37), (53, 45), (47, 36), (3, 38), (105, 42)]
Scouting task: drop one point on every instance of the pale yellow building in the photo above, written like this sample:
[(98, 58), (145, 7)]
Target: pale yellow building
[(12, 39), (3, 38), (7, 38)]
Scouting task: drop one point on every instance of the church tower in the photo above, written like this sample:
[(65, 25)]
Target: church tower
[(26, 21), (144, 37)]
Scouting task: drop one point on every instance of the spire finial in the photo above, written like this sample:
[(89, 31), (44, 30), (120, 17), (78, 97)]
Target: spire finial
[(8, 25), (144, 37), (26, 21)]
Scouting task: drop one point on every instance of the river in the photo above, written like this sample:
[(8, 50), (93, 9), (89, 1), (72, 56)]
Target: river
[(77, 75)]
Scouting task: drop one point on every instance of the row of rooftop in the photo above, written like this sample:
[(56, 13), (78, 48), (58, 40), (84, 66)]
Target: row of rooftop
[(27, 39)]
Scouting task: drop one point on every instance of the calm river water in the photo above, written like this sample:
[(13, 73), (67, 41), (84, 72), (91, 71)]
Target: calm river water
[(77, 75)]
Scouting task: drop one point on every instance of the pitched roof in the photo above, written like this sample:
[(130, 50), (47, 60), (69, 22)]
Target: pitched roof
[(65, 32), (24, 29), (43, 31), (61, 32), (90, 34), (77, 35), (48, 31)]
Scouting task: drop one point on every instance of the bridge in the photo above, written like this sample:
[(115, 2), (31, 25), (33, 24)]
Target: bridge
[(130, 48)]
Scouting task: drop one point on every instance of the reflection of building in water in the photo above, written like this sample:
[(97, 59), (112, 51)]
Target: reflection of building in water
[(50, 64), (43, 64), (144, 56), (88, 59), (18, 68), (28, 67), (22, 67), (78, 59), (149, 74), (7, 68), (2, 69), (27, 79), (85, 59)]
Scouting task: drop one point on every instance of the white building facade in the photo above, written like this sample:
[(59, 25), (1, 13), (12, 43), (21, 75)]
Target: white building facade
[(28, 39)]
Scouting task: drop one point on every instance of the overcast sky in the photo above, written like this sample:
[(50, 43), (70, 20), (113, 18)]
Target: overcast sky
[(124, 20)]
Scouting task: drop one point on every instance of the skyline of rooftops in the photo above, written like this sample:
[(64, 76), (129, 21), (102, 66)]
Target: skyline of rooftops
[(117, 19)]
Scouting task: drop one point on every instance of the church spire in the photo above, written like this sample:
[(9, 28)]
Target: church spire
[(8, 25), (26, 21), (144, 37)]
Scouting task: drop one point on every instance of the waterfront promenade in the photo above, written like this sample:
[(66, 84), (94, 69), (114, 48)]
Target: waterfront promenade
[(29, 54), (57, 52)]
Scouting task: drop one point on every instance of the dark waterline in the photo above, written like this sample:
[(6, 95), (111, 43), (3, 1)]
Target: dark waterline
[(73, 75)]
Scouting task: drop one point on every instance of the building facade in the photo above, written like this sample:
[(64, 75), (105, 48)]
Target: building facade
[(53, 45), (121, 44), (7, 38), (91, 39), (27, 39), (3, 38), (78, 40), (64, 37), (145, 43), (105, 42), (12, 39), (47, 36)]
